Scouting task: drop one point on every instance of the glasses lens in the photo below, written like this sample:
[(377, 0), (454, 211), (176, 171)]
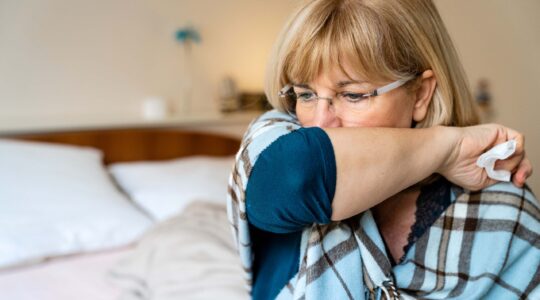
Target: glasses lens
[(353, 102), (304, 97)]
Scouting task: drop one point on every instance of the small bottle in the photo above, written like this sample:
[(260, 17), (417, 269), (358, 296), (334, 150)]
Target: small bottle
[(228, 95)]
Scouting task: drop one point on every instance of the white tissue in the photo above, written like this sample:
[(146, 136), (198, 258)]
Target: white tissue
[(501, 151)]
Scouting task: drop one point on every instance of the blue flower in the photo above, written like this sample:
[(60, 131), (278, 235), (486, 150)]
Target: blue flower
[(187, 34)]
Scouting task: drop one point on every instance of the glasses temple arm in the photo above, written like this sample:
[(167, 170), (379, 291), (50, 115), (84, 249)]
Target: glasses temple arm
[(389, 87)]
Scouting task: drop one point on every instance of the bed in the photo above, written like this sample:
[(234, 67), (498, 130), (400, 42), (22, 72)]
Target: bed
[(117, 214)]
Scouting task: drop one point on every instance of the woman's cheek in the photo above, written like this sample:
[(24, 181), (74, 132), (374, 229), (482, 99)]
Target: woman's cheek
[(368, 120)]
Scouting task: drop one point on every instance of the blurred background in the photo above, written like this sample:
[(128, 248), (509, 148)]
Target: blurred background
[(65, 62)]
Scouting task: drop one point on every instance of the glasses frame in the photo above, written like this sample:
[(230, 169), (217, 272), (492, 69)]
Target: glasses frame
[(288, 91)]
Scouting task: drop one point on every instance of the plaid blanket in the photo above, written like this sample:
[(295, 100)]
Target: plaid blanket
[(486, 245)]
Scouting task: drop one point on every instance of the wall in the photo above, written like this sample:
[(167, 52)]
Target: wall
[(500, 40), (60, 57)]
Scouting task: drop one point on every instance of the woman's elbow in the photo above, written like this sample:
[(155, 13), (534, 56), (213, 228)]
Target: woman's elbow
[(339, 213), (344, 208)]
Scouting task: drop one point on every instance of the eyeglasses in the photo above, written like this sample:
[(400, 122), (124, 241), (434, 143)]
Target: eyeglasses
[(307, 99)]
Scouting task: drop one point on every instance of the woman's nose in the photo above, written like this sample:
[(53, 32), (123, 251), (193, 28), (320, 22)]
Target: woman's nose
[(325, 115)]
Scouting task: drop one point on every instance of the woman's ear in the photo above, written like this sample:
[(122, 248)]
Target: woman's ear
[(423, 95)]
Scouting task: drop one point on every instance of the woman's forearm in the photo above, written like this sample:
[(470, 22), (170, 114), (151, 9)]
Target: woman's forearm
[(300, 176), (376, 163)]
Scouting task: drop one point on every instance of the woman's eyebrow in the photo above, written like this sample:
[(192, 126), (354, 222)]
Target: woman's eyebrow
[(302, 85), (348, 82)]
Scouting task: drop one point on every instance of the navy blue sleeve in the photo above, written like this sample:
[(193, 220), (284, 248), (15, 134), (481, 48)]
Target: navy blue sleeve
[(293, 182)]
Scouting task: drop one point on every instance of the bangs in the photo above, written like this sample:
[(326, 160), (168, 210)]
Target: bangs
[(334, 43)]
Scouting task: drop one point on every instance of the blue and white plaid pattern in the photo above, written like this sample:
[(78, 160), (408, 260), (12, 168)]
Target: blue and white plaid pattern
[(486, 245)]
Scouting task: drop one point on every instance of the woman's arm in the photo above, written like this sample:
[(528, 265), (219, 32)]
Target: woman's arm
[(293, 178), (373, 164)]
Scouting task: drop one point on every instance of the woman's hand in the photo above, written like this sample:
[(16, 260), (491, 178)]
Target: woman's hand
[(471, 142)]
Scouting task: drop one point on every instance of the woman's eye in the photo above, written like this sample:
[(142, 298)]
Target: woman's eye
[(305, 96), (353, 97)]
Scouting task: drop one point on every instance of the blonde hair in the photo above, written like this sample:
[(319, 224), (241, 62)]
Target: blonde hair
[(383, 40)]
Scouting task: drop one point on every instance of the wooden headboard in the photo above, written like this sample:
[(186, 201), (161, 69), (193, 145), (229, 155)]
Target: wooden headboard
[(121, 145)]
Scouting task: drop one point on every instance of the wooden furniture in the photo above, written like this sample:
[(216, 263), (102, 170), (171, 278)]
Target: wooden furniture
[(131, 138), (132, 144)]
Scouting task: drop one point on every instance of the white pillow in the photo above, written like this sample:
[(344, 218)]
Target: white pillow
[(58, 200), (165, 188)]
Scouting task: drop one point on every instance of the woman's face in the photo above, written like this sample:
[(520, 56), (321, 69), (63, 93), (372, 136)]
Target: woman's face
[(392, 109)]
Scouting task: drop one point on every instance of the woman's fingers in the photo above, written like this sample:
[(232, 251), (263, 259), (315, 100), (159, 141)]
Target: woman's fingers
[(523, 172), (513, 161), (510, 164), (518, 164), (504, 135), (519, 137)]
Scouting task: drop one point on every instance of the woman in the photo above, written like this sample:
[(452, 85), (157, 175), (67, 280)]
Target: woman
[(335, 196)]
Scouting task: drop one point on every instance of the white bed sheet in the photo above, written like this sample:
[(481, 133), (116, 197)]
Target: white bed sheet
[(190, 256), (81, 277)]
